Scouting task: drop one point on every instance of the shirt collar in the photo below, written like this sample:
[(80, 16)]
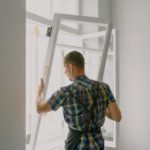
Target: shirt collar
[(80, 77)]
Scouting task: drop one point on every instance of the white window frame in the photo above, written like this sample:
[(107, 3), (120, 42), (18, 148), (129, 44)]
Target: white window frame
[(52, 43), (50, 53)]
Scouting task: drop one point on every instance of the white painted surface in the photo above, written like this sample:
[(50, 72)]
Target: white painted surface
[(12, 75), (132, 21)]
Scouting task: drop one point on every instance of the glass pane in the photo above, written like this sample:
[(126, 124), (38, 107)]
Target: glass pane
[(47, 8), (40, 7), (66, 7)]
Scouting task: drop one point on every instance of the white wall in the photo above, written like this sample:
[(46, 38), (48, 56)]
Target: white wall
[(12, 75), (132, 19)]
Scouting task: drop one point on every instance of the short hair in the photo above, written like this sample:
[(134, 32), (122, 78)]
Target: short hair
[(75, 58)]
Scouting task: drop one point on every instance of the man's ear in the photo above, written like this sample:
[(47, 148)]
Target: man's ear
[(70, 67)]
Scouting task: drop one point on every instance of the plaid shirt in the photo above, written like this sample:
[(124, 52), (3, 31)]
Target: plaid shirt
[(78, 94)]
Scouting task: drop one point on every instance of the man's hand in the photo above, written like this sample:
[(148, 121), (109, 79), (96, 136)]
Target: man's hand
[(40, 87), (42, 106)]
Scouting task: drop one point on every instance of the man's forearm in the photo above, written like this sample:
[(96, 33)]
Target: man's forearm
[(108, 114), (113, 112)]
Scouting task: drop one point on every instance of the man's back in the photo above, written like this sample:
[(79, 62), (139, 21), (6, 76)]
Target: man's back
[(85, 101)]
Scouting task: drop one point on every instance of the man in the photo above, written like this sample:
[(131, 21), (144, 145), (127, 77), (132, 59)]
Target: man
[(85, 104)]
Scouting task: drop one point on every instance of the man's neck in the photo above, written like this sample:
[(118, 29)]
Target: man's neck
[(78, 74)]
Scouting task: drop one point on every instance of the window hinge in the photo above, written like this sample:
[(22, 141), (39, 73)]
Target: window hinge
[(49, 31)]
